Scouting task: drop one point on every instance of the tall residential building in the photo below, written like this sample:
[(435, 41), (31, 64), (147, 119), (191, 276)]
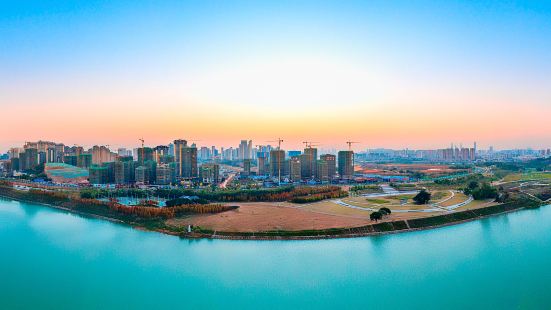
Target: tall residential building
[(308, 163), (331, 164), (322, 171), (295, 169), (142, 175), (179, 146), (124, 170), (28, 159), (98, 174), (188, 162), (145, 154), (70, 160), (204, 153), (262, 162), (210, 173), (165, 174), (277, 160), (346, 164), (245, 149), (246, 167), (160, 151), (84, 160), (101, 154)]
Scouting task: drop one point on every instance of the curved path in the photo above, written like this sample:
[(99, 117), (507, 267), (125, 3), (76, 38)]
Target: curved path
[(435, 207)]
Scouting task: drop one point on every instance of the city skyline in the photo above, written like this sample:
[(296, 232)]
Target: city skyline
[(392, 75)]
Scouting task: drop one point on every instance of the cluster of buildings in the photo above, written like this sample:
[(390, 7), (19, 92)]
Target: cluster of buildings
[(304, 166), (180, 162)]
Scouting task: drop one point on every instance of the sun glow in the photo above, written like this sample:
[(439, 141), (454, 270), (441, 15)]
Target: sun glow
[(298, 83)]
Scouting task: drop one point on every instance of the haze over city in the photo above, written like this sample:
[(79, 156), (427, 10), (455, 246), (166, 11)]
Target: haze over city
[(397, 75)]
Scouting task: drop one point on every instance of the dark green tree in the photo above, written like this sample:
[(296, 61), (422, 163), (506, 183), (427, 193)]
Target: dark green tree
[(385, 211), (375, 216), (422, 197)]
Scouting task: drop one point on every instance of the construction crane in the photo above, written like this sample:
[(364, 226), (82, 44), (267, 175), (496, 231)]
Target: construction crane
[(309, 144), (350, 144), (279, 140)]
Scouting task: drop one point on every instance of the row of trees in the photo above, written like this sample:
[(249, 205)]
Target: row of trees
[(287, 193), (168, 213), (330, 194)]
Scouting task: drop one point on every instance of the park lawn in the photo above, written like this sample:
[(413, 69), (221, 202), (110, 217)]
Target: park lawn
[(377, 200), (459, 197), (330, 207), (475, 204), (527, 176), (439, 195)]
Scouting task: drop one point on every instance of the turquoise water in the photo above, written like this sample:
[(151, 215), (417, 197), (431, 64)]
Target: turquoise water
[(53, 259)]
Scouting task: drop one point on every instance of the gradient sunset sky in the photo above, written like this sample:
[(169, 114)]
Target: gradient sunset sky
[(397, 74)]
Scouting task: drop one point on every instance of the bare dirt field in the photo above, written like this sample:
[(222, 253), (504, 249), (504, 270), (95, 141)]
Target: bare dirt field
[(269, 216)]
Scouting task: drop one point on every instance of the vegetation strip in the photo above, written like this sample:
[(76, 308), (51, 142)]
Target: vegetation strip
[(147, 218)]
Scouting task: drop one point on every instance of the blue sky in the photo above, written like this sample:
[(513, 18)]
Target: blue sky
[(495, 52)]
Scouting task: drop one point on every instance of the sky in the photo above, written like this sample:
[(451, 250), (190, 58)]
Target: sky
[(395, 74)]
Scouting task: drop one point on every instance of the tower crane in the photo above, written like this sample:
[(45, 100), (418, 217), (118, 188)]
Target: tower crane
[(279, 140), (309, 144), (350, 144)]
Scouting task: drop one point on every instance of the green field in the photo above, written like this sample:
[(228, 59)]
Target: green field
[(528, 176)]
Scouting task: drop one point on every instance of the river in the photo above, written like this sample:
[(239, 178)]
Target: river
[(51, 259)]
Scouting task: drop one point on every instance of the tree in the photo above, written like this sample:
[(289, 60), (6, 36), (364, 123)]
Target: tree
[(485, 191), (385, 211), (473, 185), (375, 216), (422, 197)]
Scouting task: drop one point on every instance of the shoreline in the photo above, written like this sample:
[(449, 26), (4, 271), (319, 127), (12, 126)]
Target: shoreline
[(392, 227), (345, 236)]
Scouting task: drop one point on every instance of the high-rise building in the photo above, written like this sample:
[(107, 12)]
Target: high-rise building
[(187, 162), (295, 168), (160, 151), (145, 154), (142, 175), (277, 158), (204, 153), (322, 171), (246, 167), (84, 160), (308, 163), (98, 174), (101, 154), (179, 146), (165, 174), (28, 160), (346, 164), (262, 162), (245, 149), (124, 170), (210, 173), (331, 164)]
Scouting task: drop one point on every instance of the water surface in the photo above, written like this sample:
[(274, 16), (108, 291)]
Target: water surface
[(54, 259)]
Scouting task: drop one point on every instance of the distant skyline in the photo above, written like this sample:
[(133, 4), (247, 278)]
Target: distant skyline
[(398, 74)]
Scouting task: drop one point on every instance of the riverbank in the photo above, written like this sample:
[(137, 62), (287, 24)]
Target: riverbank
[(389, 227)]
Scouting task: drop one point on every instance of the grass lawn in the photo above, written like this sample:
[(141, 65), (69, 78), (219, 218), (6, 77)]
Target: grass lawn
[(528, 176), (377, 201)]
